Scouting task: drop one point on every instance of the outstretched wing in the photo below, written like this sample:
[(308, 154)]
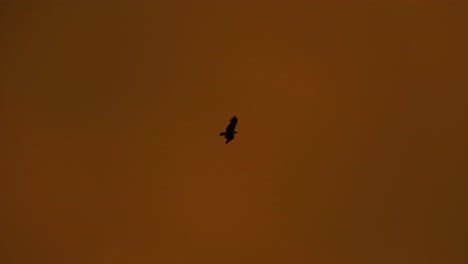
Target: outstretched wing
[(228, 139), (230, 128)]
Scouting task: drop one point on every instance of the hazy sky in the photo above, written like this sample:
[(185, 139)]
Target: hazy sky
[(352, 136)]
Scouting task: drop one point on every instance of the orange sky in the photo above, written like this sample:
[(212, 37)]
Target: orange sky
[(351, 144)]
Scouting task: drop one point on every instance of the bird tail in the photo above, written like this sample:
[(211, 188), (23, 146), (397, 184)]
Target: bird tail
[(222, 133)]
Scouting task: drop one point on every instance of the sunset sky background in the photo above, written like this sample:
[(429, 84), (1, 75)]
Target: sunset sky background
[(352, 139)]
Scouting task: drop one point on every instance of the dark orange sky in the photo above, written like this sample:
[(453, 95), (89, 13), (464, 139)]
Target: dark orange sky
[(352, 144)]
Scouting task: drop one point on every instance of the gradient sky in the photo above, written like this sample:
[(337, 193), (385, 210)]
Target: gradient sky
[(352, 136)]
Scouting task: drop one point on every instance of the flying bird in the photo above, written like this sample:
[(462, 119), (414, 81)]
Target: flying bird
[(229, 134)]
